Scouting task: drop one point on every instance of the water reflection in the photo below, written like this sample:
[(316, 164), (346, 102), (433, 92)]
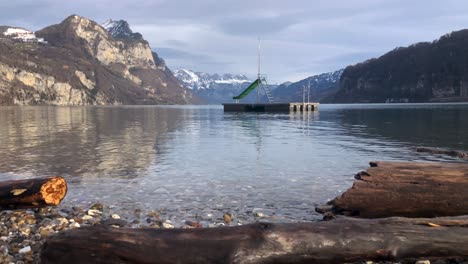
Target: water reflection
[(88, 142), (432, 125), (198, 160)]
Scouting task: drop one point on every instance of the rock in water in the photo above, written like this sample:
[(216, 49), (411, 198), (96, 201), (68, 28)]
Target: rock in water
[(227, 218)]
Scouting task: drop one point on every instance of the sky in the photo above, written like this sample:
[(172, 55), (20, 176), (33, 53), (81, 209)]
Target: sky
[(299, 38)]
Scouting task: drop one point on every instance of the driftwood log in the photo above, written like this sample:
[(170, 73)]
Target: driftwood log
[(339, 241), (405, 189), (449, 152), (31, 193)]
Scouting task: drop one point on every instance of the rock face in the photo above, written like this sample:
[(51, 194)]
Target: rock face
[(423, 72), (78, 62), (322, 87)]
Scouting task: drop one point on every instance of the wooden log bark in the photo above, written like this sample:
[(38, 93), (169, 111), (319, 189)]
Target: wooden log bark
[(406, 189), (449, 152), (31, 193), (343, 240)]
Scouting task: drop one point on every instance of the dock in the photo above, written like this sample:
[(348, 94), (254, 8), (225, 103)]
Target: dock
[(271, 107)]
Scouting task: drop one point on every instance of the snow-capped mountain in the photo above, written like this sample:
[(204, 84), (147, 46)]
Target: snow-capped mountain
[(214, 88), (201, 80), (120, 29), (321, 87)]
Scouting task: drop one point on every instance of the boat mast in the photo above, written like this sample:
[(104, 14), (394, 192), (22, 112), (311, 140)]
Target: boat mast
[(258, 76)]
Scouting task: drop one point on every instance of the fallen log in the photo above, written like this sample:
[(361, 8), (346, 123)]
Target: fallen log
[(406, 189), (449, 152), (339, 241), (32, 193)]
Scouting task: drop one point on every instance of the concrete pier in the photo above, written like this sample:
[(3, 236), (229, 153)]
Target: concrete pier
[(272, 107)]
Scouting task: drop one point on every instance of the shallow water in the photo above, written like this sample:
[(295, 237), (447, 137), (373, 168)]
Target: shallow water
[(191, 161)]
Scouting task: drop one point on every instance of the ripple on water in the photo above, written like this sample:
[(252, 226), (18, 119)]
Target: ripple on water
[(198, 162)]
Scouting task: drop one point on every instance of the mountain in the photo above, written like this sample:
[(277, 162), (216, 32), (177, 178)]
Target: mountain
[(322, 86), (215, 88), (424, 72), (120, 29), (78, 62)]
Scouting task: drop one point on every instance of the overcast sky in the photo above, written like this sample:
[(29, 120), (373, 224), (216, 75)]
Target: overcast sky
[(299, 37)]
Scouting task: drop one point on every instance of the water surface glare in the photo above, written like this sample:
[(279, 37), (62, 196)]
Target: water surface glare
[(193, 161)]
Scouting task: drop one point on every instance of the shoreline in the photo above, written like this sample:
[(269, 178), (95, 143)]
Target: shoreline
[(24, 231)]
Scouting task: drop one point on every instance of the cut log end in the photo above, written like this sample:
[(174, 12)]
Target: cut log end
[(54, 190), (32, 193)]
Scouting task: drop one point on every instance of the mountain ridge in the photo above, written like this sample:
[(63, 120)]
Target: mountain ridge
[(434, 71), (80, 63), (322, 86)]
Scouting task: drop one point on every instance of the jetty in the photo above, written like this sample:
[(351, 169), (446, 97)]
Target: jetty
[(271, 105)]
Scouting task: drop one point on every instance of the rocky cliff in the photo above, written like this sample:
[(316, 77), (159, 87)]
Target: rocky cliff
[(78, 62), (423, 72)]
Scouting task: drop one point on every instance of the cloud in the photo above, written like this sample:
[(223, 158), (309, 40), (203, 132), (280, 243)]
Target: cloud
[(299, 37), (177, 58)]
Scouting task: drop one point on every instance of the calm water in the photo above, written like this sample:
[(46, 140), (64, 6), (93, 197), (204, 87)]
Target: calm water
[(195, 161)]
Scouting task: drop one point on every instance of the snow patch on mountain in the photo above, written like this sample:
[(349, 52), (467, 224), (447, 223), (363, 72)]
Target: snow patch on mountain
[(120, 29), (22, 35), (187, 77), (329, 77), (321, 87), (231, 81), (109, 24), (200, 80)]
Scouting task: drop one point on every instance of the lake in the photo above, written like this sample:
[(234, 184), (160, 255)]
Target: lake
[(197, 162)]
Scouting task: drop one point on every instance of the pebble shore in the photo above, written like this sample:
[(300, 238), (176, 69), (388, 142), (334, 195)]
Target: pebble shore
[(24, 231)]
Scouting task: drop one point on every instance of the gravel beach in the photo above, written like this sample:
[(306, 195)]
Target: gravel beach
[(23, 231)]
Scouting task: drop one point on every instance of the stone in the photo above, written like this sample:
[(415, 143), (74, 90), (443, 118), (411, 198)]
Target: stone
[(227, 218), (115, 216), (423, 262), (63, 221), (154, 214), (74, 225), (77, 210), (193, 224), (97, 206), (25, 250), (167, 224), (44, 232), (87, 217), (94, 212), (259, 214)]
